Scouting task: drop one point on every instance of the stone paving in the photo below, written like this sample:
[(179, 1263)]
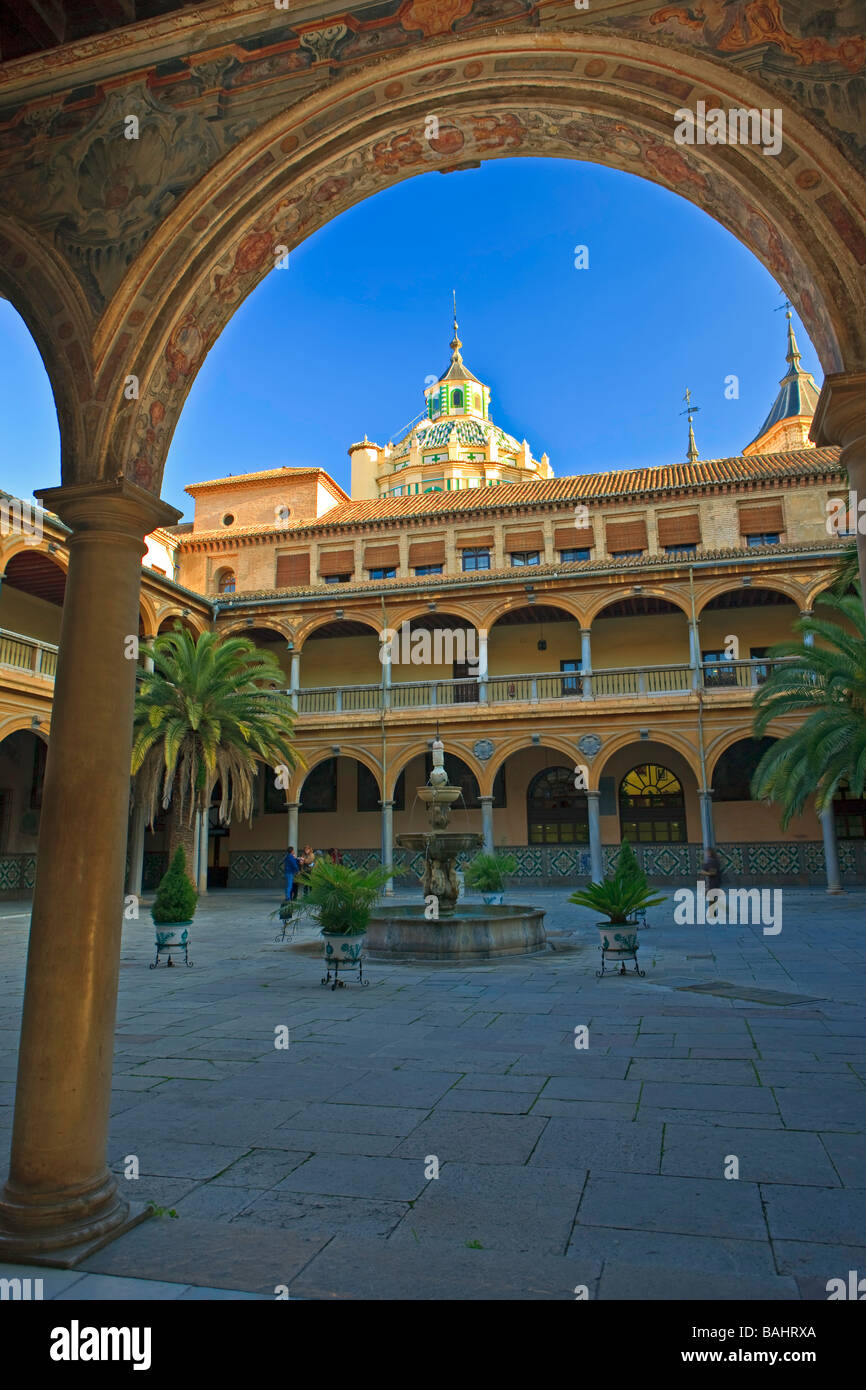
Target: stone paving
[(559, 1166)]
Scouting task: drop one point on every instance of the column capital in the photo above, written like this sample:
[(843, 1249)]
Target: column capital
[(120, 506), (840, 416), (705, 791), (595, 793), (387, 805), (489, 799)]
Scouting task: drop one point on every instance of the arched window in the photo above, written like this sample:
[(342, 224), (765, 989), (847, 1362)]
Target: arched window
[(652, 807), (457, 398), (556, 812), (226, 582)]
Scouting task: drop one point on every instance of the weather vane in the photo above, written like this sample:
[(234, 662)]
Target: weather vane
[(691, 410)]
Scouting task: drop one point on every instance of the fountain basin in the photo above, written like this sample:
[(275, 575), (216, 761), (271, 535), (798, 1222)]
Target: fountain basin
[(476, 933)]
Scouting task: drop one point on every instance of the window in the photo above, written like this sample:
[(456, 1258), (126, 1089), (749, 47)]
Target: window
[(850, 815), (337, 578), (390, 573), (457, 398), (228, 519), (556, 812), (525, 557), (429, 569), (476, 559), (652, 806), (733, 773), (719, 670), (572, 686), (226, 582), (569, 555), (764, 538), (624, 554), (683, 548)]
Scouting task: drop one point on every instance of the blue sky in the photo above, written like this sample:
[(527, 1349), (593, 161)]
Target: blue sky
[(589, 365)]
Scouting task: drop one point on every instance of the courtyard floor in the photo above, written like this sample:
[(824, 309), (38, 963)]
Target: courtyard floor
[(559, 1166)]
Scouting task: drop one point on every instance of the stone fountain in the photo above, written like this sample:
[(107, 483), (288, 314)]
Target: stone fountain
[(434, 930)]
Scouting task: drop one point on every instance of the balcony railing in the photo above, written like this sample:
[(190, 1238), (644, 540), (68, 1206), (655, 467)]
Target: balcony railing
[(629, 682), (26, 654)]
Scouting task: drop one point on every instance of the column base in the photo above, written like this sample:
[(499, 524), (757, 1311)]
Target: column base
[(55, 1233), (836, 892)]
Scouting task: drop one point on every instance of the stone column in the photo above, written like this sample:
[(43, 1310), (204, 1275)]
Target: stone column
[(482, 664), (136, 851), (295, 676), (388, 841), (808, 637), (294, 807), (60, 1202), (385, 651), (840, 418), (596, 855), (831, 851), (707, 832), (487, 823), (204, 837), (695, 652), (586, 663)]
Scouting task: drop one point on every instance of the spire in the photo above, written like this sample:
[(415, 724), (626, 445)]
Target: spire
[(691, 411), (457, 370), (795, 402)]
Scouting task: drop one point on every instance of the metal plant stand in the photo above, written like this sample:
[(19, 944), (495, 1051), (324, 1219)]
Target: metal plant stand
[(620, 955), (347, 965), (170, 962)]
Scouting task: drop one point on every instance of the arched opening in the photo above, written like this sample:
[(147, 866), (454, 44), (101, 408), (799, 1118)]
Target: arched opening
[(640, 646), (556, 811), (434, 661), (22, 773), (340, 668), (652, 806), (31, 603), (534, 651), (738, 627)]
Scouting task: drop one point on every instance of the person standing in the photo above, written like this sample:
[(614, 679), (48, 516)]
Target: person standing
[(307, 860), (291, 868)]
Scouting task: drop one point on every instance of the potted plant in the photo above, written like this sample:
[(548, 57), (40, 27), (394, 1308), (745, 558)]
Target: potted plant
[(619, 896), (486, 873), (341, 900), (173, 909)]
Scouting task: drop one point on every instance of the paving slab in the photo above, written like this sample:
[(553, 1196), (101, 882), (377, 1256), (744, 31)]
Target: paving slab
[(827, 1217), (474, 1137), (637, 1283), (772, 1156), (358, 1269), (685, 1206)]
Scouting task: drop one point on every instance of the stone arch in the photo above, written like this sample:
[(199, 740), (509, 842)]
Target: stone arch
[(657, 591), (667, 738), (193, 622), (453, 608), (552, 743), (147, 616), (313, 759), (406, 755), (817, 590), (305, 630), (505, 605), (789, 587), (720, 746), (238, 627), (36, 281), (608, 98), (23, 723)]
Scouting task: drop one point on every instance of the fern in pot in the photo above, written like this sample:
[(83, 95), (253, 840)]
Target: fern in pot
[(341, 900), (619, 896), (487, 874)]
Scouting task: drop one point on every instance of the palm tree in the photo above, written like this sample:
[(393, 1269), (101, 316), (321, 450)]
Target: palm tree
[(827, 685), (210, 711)]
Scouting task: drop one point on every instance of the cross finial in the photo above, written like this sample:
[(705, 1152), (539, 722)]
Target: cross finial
[(691, 411)]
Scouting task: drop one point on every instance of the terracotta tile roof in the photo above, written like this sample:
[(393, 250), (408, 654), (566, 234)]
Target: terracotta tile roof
[(613, 485), (287, 473), (531, 576)]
